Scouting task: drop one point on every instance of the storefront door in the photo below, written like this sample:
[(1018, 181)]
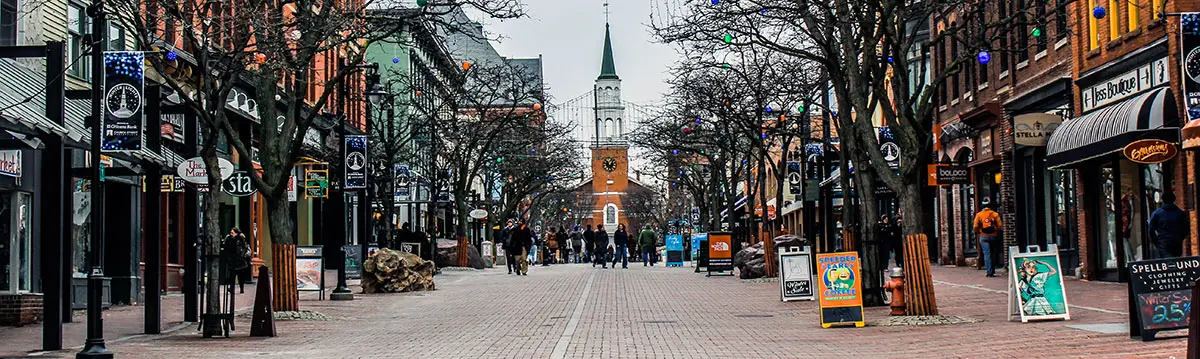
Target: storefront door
[(15, 243), (967, 216)]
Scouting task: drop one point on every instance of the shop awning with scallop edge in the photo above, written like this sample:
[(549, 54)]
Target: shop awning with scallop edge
[(1151, 115)]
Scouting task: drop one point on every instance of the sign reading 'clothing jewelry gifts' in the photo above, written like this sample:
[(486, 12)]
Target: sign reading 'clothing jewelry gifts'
[(124, 87), (356, 161)]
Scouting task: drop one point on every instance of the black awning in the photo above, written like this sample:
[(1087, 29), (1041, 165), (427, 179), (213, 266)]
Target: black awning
[(1151, 115)]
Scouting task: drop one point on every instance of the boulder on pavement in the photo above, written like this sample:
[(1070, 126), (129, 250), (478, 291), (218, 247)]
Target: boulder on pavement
[(746, 257), (390, 271), (789, 240), (446, 255)]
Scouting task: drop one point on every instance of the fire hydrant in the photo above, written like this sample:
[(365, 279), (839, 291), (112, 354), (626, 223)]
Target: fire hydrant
[(896, 285)]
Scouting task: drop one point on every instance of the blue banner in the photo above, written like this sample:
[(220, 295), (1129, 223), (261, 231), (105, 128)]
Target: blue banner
[(123, 105)]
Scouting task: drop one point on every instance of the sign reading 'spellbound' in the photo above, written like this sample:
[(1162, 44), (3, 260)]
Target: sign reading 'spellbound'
[(1150, 151), (1162, 294)]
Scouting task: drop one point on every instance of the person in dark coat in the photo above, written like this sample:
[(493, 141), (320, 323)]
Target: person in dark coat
[(601, 247), (888, 235), (621, 246), (1168, 228), (589, 245), (522, 239), (507, 243), (235, 251)]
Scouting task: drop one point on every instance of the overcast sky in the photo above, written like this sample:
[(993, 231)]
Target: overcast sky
[(569, 34)]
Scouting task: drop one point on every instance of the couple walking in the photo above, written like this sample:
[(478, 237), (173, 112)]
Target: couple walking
[(602, 250), (517, 240)]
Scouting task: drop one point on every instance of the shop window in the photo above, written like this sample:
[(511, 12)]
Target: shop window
[(80, 226), (8, 22), (15, 242), (1062, 209), (1108, 219)]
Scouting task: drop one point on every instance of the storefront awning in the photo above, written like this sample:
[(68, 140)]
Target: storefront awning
[(1109, 129), (22, 99)]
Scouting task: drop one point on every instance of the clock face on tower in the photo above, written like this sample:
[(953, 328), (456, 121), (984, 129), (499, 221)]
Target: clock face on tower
[(610, 164)]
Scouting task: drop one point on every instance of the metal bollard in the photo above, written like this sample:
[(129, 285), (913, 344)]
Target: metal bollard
[(896, 285)]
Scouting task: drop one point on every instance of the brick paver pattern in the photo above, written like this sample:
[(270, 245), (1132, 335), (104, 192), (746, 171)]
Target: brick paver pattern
[(575, 311)]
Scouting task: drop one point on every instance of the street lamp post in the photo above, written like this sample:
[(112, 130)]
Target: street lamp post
[(342, 292), (94, 346)]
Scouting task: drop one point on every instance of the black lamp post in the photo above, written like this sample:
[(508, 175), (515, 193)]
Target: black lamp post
[(342, 292), (94, 346)]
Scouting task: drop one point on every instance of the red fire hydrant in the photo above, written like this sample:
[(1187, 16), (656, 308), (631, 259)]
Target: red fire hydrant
[(896, 285)]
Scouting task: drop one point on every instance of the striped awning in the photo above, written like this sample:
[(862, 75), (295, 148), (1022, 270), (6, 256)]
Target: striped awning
[(1151, 115)]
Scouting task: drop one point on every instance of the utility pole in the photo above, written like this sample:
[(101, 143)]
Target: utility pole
[(94, 346)]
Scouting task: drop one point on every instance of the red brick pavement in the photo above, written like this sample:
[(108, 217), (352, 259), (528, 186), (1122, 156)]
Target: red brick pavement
[(658, 313)]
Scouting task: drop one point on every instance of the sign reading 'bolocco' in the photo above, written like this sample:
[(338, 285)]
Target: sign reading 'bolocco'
[(1150, 151)]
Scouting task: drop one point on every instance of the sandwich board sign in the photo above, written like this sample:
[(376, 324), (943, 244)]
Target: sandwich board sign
[(720, 253), (795, 274), (1160, 292), (840, 289), (1035, 285)]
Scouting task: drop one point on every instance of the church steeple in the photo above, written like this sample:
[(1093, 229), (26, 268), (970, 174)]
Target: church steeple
[(608, 70)]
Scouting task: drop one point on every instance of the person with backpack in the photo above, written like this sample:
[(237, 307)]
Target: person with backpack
[(646, 242), (988, 226)]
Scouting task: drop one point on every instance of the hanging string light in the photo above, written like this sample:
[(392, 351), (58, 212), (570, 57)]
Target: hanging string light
[(984, 57), (1099, 12)]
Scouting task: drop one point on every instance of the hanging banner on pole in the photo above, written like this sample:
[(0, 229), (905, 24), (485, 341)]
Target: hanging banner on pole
[(124, 90), (356, 162), (795, 179), (1189, 43)]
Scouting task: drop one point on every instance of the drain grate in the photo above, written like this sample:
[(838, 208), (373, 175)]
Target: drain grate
[(753, 316), (658, 322)]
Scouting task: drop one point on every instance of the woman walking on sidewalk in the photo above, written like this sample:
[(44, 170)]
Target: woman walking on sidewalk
[(621, 242), (601, 247)]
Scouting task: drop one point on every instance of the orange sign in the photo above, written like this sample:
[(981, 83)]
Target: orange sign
[(1150, 151), (839, 289), (720, 252)]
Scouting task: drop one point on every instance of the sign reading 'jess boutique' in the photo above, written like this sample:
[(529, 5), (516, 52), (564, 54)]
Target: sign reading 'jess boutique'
[(1125, 85), (1150, 151)]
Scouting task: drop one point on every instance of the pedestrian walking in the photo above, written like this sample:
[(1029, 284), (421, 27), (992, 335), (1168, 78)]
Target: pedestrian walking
[(235, 250), (589, 245), (601, 247), (576, 239), (548, 255), (511, 250), (621, 244), (988, 226), (646, 241), (888, 235), (1169, 225), (522, 239)]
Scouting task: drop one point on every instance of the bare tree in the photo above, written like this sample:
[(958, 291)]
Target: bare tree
[(288, 52)]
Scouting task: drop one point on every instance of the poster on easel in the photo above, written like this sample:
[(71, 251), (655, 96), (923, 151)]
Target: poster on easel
[(1160, 291), (310, 269), (699, 240), (1035, 285), (795, 274), (839, 289)]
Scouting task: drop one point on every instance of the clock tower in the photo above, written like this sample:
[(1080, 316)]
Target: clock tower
[(610, 150)]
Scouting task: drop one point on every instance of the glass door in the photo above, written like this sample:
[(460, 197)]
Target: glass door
[(1107, 238)]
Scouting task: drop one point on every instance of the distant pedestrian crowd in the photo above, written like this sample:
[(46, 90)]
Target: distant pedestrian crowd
[(523, 246)]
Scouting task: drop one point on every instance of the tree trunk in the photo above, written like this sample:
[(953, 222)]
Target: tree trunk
[(463, 225), (283, 256), (873, 262), (918, 280), (212, 246)]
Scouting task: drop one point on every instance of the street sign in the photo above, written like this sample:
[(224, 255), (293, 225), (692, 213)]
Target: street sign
[(193, 170), (239, 184), (316, 184), (478, 213)]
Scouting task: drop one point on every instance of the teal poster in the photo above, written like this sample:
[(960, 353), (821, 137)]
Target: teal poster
[(1038, 283)]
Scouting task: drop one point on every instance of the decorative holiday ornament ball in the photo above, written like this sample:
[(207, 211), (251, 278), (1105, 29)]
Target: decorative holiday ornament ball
[(260, 58), (728, 38), (418, 93), (687, 130), (891, 60), (171, 55), (674, 152), (466, 65), (714, 2), (984, 57), (537, 107), (1037, 32), (1099, 12), (800, 108), (422, 2), (768, 109), (395, 60), (699, 121)]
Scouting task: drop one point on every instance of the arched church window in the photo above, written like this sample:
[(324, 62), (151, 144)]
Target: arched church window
[(620, 127), (609, 128), (610, 214)]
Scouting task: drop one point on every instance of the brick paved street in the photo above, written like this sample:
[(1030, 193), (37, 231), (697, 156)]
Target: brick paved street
[(574, 311)]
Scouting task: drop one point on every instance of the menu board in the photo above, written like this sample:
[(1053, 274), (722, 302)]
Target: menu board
[(310, 273), (795, 275), (720, 253), (1161, 291), (840, 289)]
